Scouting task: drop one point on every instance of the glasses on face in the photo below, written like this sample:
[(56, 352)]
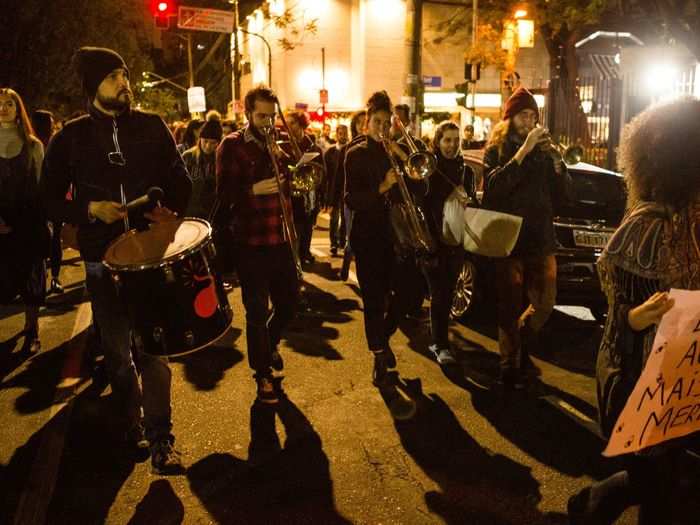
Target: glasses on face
[(116, 158)]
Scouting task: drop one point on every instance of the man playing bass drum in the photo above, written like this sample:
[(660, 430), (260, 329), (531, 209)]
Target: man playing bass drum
[(450, 175)]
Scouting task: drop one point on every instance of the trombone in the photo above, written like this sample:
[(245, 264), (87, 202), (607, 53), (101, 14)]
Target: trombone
[(290, 232), (420, 164), (568, 154)]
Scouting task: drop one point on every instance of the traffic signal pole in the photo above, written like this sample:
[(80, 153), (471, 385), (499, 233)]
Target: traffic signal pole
[(236, 58), (414, 78)]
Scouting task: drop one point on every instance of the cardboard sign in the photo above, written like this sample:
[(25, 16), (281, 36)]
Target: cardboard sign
[(665, 403)]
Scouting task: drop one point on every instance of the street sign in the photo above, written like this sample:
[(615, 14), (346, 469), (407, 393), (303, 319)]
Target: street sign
[(201, 19), (196, 100), (323, 96), (434, 82)]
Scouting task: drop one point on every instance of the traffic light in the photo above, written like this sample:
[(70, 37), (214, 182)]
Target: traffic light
[(319, 115), (162, 10), (472, 72), (463, 90)]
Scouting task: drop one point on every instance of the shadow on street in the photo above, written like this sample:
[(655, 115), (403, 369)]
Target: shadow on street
[(311, 332), (471, 478), (277, 485), (207, 367)]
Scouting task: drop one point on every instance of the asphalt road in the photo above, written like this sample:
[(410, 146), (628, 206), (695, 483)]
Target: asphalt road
[(331, 453)]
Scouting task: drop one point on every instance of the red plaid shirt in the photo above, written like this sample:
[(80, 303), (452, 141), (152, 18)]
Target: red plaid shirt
[(241, 161)]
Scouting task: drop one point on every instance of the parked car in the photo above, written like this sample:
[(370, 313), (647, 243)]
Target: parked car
[(582, 228)]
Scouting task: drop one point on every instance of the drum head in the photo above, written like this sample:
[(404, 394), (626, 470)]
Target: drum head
[(163, 242)]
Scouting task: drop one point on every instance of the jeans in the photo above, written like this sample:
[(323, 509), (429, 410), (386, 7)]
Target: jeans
[(56, 250), (337, 227), (442, 277), (267, 274), (112, 317), (537, 276)]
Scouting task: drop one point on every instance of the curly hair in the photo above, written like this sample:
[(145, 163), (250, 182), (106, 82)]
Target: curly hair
[(659, 154), (379, 101)]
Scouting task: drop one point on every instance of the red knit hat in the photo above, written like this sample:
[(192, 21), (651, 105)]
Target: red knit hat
[(521, 99)]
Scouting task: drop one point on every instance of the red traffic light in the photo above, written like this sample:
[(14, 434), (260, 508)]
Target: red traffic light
[(163, 7)]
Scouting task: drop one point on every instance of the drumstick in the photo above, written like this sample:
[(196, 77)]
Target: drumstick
[(126, 216)]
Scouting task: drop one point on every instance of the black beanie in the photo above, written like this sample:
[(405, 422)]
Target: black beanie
[(211, 130), (94, 64)]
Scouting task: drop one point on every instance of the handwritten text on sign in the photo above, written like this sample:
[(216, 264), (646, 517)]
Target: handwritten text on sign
[(665, 403)]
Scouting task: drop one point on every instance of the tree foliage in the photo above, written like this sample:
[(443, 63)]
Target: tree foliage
[(669, 20), (38, 40)]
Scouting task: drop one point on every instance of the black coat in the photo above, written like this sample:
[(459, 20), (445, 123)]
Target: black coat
[(78, 155), (531, 190)]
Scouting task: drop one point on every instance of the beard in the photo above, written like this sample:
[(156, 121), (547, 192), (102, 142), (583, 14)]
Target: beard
[(120, 103)]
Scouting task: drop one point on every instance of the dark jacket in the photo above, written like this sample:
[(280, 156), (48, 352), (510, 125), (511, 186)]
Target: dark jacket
[(448, 170), (79, 155), (334, 182), (531, 190), (366, 164), (202, 171)]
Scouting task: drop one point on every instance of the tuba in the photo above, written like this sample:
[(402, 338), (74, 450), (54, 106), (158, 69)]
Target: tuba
[(407, 219), (307, 176)]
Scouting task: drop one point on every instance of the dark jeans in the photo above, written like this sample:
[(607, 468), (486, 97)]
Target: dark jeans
[(337, 227), (382, 278), (267, 274), (112, 316), (442, 277), (56, 250), (514, 276)]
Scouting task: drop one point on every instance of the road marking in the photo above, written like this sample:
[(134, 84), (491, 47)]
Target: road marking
[(36, 496)]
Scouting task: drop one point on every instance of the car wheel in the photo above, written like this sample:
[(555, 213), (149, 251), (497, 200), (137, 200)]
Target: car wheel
[(600, 312), (463, 298)]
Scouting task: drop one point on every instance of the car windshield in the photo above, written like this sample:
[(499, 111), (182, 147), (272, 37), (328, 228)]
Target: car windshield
[(597, 196)]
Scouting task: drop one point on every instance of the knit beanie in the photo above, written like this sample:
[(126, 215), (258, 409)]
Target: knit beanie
[(521, 99), (211, 130), (94, 64)]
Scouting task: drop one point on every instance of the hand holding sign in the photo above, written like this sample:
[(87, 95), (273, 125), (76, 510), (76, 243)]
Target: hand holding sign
[(650, 312), (665, 402)]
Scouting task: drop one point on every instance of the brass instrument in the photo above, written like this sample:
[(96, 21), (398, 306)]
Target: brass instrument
[(420, 164), (306, 177), (290, 232), (568, 154), (409, 224)]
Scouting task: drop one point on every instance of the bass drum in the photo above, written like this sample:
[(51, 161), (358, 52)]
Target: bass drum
[(167, 277)]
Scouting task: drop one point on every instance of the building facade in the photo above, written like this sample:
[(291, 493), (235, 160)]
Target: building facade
[(352, 48)]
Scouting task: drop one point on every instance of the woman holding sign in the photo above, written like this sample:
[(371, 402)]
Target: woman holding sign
[(656, 248)]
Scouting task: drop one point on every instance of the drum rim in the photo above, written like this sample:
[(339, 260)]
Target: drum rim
[(165, 262)]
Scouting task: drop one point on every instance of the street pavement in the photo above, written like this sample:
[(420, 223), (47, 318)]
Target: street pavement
[(331, 453)]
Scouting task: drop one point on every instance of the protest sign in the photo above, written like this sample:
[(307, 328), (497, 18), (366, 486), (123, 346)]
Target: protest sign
[(665, 402)]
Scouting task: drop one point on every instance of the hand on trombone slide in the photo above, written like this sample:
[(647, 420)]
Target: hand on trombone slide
[(267, 186)]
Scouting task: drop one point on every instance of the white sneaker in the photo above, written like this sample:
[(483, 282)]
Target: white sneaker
[(443, 355)]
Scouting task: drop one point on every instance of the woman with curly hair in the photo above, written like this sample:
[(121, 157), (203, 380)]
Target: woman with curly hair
[(656, 248), (23, 233)]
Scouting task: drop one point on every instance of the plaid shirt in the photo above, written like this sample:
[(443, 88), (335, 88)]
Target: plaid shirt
[(241, 161)]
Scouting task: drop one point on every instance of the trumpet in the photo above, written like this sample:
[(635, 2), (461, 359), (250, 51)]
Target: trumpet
[(567, 154)]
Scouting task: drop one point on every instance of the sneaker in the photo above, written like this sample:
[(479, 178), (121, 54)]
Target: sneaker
[(277, 362), (443, 355), (511, 379), (334, 251), (165, 459), (56, 286), (266, 390), (345, 269)]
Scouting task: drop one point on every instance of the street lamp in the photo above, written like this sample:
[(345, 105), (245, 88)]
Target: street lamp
[(161, 79), (269, 53)]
